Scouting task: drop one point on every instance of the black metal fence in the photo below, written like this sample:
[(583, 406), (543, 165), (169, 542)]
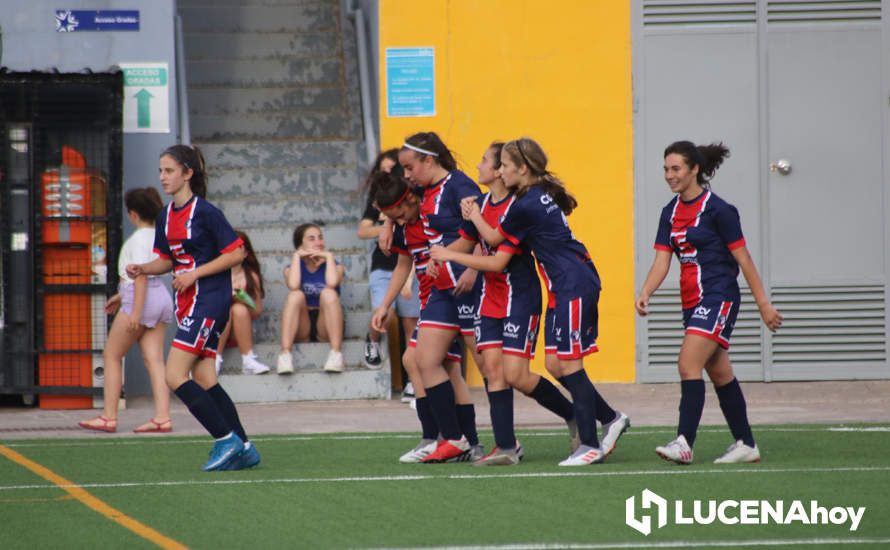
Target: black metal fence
[(60, 231)]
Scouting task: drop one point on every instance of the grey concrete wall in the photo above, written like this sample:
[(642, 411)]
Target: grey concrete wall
[(30, 43)]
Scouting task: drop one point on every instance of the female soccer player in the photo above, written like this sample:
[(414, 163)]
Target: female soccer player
[(509, 313), (451, 307), (705, 233), (193, 238), (398, 200), (537, 218), (247, 305), (312, 311), (145, 311)]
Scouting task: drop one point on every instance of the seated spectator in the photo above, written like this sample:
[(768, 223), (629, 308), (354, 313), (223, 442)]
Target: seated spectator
[(247, 304), (312, 311)]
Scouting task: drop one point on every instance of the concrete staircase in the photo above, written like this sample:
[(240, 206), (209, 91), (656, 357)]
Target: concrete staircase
[(273, 102)]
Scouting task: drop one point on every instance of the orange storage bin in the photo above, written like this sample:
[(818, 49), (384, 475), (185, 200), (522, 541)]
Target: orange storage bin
[(67, 326), (66, 266)]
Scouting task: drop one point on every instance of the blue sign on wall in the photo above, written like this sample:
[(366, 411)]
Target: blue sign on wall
[(410, 82), (97, 20)]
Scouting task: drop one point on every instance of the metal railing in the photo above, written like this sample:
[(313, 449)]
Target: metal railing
[(361, 40)]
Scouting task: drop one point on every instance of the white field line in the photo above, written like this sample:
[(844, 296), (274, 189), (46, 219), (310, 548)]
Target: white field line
[(752, 471), (739, 543), (383, 436)]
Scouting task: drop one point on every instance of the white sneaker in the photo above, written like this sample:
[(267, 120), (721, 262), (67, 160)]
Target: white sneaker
[(738, 452), (218, 362), (418, 453), (676, 451), (583, 456), (250, 365), (613, 430), (285, 363), (334, 362), (408, 393), (373, 355)]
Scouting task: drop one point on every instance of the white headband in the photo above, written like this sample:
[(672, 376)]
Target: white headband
[(419, 150)]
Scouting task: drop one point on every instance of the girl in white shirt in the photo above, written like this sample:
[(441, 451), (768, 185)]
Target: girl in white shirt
[(146, 308)]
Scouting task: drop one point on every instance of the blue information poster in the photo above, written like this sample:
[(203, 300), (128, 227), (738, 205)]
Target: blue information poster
[(410, 82)]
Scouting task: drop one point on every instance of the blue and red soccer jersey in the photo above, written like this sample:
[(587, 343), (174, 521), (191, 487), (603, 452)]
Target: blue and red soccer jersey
[(191, 236), (537, 221), (441, 217), (502, 290), (702, 233), (572, 321), (410, 240)]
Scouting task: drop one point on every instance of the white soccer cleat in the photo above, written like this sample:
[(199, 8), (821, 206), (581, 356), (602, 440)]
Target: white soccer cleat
[(613, 430), (583, 456), (250, 365), (418, 453), (334, 362), (676, 451), (285, 363), (738, 453)]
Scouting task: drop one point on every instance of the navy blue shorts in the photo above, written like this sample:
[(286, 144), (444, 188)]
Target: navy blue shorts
[(199, 335), (571, 328), (515, 335), (446, 311), (713, 318)]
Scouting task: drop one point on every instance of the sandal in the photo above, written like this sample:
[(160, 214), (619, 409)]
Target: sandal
[(100, 424), (153, 426)]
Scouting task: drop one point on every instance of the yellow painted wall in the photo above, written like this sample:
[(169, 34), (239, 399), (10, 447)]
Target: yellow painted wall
[(558, 71)]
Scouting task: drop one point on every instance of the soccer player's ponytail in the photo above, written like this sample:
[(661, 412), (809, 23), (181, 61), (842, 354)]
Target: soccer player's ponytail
[(388, 190), (708, 158), (526, 151), (190, 157)]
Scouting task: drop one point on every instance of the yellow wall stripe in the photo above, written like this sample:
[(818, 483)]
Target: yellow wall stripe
[(89, 500)]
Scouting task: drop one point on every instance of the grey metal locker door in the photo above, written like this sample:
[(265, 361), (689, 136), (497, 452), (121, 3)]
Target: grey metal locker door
[(826, 216), (696, 77), (796, 80)]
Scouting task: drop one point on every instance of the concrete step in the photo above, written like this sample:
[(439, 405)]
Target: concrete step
[(285, 71), (267, 329), (328, 124), (295, 209), (356, 266), (334, 183), (316, 16), (307, 357), (229, 101), (269, 239), (284, 154), (259, 45), (308, 386)]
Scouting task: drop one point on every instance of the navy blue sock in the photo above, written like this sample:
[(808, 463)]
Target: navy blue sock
[(692, 403), (227, 410), (732, 403), (501, 407), (584, 403), (441, 399), (427, 420), (466, 419), (604, 413), (549, 397), (203, 408)]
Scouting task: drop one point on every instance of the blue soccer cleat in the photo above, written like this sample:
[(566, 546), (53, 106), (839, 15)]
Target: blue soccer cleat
[(246, 459), (224, 450)]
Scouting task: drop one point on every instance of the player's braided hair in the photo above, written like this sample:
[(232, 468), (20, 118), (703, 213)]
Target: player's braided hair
[(708, 158), (190, 157), (526, 151)]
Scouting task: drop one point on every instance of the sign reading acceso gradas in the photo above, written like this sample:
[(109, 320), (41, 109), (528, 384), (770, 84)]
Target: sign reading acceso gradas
[(656, 509)]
